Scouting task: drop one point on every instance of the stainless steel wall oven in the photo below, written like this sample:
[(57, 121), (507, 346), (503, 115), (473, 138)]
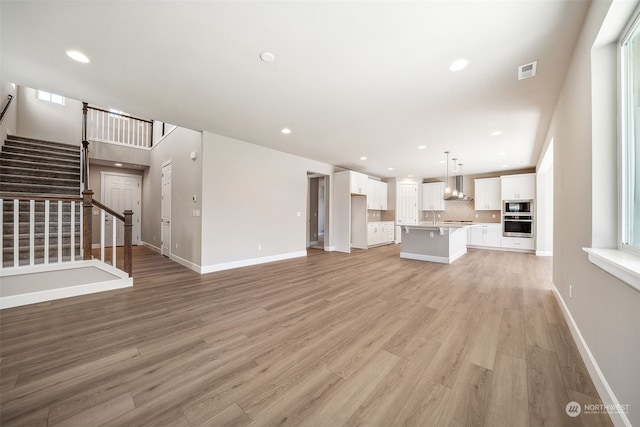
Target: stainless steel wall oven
[(517, 218)]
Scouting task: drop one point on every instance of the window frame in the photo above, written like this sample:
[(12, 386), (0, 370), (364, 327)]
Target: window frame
[(49, 97), (632, 28)]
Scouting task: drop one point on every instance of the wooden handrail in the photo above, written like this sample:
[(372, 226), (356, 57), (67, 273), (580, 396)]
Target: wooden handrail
[(115, 113), (39, 197), (108, 210), (10, 99)]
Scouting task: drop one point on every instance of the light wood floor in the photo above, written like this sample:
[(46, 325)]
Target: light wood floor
[(331, 339)]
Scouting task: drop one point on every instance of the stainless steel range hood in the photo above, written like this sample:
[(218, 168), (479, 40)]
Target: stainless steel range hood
[(459, 188)]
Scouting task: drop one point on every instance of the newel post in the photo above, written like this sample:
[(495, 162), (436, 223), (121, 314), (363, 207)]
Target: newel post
[(128, 229), (85, 163), (87, 210)]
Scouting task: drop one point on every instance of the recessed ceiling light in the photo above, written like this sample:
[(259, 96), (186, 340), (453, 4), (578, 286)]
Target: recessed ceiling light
[(363, 158), (421, 147), (458, 65), (286, 131), (390, 169), (118, 164), (267, 57), (505, 166), (77, 56), (496, 133), (521, 162), (502, 153)]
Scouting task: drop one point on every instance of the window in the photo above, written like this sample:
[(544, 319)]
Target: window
[(50, 97), (630, 137)]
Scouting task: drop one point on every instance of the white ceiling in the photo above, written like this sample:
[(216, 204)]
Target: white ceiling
[(350, 79)]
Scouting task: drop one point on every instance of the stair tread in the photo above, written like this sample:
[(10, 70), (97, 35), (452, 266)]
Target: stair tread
[(23, 138), (22, 170), (41, 159), (31, 177), (42, 166), (39, 151)]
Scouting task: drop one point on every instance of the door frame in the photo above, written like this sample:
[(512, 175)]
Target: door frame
[(326, 213), (139, 197), (162, 237)]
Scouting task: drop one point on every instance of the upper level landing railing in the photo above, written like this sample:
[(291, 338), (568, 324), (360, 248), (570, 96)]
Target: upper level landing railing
[(113, 127)]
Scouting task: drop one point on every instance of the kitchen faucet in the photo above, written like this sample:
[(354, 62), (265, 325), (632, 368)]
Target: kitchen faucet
[(434, 217)]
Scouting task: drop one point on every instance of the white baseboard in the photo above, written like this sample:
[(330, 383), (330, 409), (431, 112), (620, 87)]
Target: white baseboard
[(329, 248), (544, 253), (420, 257), (150, 246), (619, 418), (190, 265), (252, 261)]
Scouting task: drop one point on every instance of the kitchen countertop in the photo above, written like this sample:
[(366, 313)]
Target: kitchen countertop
[(429, 224)]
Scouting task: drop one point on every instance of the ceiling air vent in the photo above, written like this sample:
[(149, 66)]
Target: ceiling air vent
[(527, 70)]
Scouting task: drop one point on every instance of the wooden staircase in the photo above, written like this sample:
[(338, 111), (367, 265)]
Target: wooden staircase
[(46, 168)]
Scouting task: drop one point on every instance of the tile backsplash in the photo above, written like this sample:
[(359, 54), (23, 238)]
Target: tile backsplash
[(460, 210)]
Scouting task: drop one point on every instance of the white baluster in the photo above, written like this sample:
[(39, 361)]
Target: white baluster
[(16, 233), (102, 220), (2, 233), (73, 230), (32, 231), (81, 231), (59, 230), (114, 241), (46, 231)]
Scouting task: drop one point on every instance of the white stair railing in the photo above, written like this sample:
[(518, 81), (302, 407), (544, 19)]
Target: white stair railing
[(12, 256), (22, 252)]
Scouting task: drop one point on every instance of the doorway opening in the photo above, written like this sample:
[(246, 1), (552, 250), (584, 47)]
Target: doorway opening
[(317, 211), (165, 208)]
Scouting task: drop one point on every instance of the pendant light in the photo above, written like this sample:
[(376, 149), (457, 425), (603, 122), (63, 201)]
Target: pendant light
[(455, 189), (447, 190), (461, 194)]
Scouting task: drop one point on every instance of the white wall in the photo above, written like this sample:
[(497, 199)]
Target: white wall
[(186, 229), (45, 120), (251, 197), (9, 124), (606, 310)]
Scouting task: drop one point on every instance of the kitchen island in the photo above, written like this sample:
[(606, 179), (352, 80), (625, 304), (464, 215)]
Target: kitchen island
[(440, 242)]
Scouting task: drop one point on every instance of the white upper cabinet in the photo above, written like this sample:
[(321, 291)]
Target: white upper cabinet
[(376, 195), (487, 196), (384, 194), (358, 182), (433, 196), (519, 187)]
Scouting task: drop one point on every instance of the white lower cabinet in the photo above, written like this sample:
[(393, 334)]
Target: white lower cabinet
[(380, 233), (518, 243), (484, 235)]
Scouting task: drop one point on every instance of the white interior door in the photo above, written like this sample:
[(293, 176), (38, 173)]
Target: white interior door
[(166, 209), (121, 192)]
